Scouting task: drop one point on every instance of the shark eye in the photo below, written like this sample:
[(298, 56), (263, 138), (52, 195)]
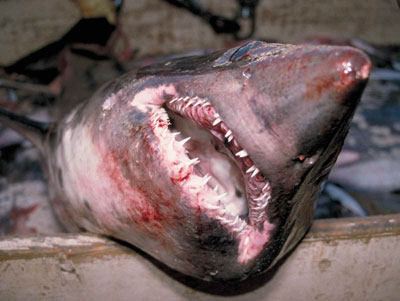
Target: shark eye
[(249, 52), (256, 50), (244, 52)]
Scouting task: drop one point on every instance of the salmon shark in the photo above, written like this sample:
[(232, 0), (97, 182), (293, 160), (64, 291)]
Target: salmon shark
[(211, 164)]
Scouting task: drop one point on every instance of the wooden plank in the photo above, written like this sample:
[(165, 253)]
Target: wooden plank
[(343, 259), (156, 27), (352, 228)]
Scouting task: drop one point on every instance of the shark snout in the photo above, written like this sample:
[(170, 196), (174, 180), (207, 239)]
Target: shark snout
[(295, 102)]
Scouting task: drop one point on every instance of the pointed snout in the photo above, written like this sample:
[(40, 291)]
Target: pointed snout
[(327, 91), (334, 74), (295, 101)]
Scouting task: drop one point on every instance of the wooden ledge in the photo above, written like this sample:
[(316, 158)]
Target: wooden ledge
[(352, 258)]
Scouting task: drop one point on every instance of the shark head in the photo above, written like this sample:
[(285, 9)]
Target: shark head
[(210, 164)]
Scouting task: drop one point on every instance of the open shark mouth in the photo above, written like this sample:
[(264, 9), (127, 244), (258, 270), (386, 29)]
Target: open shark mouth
[(213, 171)]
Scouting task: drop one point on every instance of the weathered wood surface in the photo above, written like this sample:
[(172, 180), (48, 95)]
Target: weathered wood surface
[(156, 27), (344, 259)]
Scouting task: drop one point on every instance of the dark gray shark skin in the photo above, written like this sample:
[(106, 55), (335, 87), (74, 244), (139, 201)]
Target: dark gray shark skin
[(266, 123)]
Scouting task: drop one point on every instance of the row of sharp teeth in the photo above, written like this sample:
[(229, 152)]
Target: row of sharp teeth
[(240, 154), (237, 224), (196, 161), (195, 101)]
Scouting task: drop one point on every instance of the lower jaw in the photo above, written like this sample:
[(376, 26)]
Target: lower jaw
[(253, 231)]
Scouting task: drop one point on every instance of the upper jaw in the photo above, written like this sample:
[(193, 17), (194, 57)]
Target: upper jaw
[(288, 118), (288, 99)]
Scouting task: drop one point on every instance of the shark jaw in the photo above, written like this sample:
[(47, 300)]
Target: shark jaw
[(213, 172)]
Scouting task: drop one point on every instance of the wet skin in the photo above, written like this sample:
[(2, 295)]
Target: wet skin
[(266, 123)]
